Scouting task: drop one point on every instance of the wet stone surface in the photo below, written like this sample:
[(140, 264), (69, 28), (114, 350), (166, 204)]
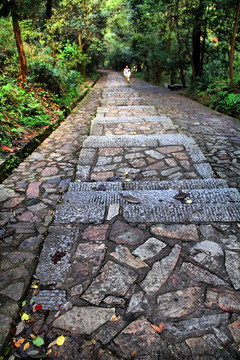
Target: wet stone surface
[(141, 258)]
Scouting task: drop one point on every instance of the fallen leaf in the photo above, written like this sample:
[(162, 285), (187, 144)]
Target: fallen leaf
[(112, 178), (19, 342), (134, 352), (6, 148), (38, 307), (54, 342), (115, 318), (180, 195), (33, 336), (238, 225), (24, 303), (25, 317), (125, 173), (33, 352), (49, 352), (189, 201), (162, 326), (131, 199), (93, 341), (101, 187), (128, 179), (57, 256), (156, 328), (60, 340), (38, 341), (134, 132), (26, 346), (19, 328), (12, 357)]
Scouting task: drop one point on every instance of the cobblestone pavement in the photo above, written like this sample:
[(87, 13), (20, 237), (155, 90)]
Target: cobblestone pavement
[(142, 258)]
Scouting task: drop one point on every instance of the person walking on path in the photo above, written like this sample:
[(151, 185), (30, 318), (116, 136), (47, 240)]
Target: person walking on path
[(127, 74)]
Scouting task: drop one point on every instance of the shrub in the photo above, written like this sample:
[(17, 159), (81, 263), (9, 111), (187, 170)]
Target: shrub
[(46, 75)]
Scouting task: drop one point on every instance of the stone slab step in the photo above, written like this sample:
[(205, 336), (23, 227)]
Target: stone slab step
[(149, 185), (133, 110), (151, 125), (207, 206), (122, 102)]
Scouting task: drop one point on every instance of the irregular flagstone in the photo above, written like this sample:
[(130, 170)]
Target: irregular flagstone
[(232, 265), (196, 326), (7, 193), (13, 274), (113, 280), (138, 303), (113, 211), (114, 300), (178, 304), (231, 242), (109, 330), (6, 325), (33, 189), (14, 291), (138, 337), (207, 344), (95, 233), (84, 320), (149, 249), (122, 233), (226, 300), (181, 232), (200, 275), (124, 256), (235, 330), (51, 299), (208, 253), (160, 272)]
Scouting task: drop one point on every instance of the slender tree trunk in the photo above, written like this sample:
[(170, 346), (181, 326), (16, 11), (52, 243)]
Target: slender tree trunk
[(48, 9), (233, 44), (196, 42), (21, 53), (203, 45)]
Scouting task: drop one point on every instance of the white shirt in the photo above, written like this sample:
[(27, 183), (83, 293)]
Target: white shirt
[(127, 72)]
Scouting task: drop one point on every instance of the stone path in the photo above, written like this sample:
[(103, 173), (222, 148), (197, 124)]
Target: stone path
[(142, 259)]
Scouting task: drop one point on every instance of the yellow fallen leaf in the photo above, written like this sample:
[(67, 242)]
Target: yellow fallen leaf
[(33, 336), (26, 346), (25, 317), (19, 342), (156, 328), (49, 352), (125, 173), (60, 340), (115, 318), (134, 133), (93, 341), (128, 179), (189, 201), (34, 286)]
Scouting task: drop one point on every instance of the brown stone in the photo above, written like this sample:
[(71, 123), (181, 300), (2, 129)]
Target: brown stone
[(124, 256), (95, 233), (48, 171), (181, 232), (180, 155), (13, 202), (138, 337), (170, 149), (178, 304), (101, 176), (235, 330), (33, 190), (110, 151), (122, 233), (226, 300), (205, 345), (27, 216), (157, 166)]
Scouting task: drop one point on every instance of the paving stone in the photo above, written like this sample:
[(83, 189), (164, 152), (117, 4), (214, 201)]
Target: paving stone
[(155, 154), (226, 300), (110, 329), (232, 266), (84, 320), (123, 255), (83, 212), (5, 327), (14, 291), (7, 193), (231, 242), (21, 257), (139, 336), (235, 330), (113, 280), (31, 243), (13, 202), (197, 326), (51, 299), (122, 233), (205, 345), (160, 272), (95, 233), (101, 176), (114, 301), (181, 232), (33, 190), (13, 274), (113, 211), (178, 304), (149, 249), (200, 275), (48, 171), (204, 170), (209, 232), (59, 239), (83, 172), (138, 303), (208, 253), (77, 290)]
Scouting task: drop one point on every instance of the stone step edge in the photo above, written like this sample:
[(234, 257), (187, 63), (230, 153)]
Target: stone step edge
[(149, 185)]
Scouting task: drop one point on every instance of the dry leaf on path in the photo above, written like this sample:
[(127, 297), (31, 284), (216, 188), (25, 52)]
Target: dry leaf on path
[(131, 199)]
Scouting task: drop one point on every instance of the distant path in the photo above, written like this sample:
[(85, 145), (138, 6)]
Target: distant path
[(217, 135)]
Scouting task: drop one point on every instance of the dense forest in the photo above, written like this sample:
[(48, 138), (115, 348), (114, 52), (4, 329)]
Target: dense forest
[(50, 51)]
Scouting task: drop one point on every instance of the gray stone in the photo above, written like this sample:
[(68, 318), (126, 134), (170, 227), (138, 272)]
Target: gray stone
[(113, 301), (208, 253), (232, 266), (84, 320), (231, 242), (204, 170), (113, 280), (5, 327), (138, 337), (122, 233), (87, 157), (194, 326), (13, 274), (123, 255), (200, 275), (14, 291), (79, 213), (149, 249), (160, 272), (207, 344), (7, 193), (21, 257), (138, 303), (181, 232), (77, 290), (113, 211), (51, 299), (83, 172), (155, 154), (226, 300), (59, 239), (170, 171), (178, 304), (31, 243), (209, 232)]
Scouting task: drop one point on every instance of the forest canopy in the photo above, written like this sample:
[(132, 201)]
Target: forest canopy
[(50, 49)]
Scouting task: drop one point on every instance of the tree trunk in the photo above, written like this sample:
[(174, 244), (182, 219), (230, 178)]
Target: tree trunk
[(21, 53), (196, 42), (233, 44), (203, 45), (48, 9)]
